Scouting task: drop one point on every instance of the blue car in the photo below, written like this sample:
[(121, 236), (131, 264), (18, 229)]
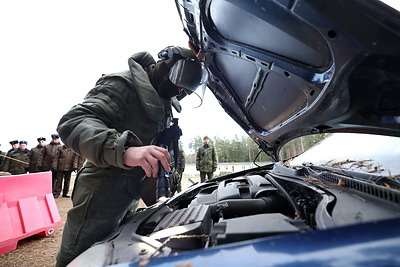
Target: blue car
[(291, 74)]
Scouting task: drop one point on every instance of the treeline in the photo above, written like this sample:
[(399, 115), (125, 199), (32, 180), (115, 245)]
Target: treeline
[(301, 144), (244, 149), (239, 149)]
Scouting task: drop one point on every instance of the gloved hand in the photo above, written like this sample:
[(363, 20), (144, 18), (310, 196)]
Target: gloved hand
[(53, 169), (214, 169)]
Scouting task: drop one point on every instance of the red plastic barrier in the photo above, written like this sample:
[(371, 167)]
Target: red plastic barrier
[(27, 207)]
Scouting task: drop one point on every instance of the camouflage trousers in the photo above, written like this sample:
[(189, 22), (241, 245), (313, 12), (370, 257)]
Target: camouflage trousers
[(203, 176), (101, 198)]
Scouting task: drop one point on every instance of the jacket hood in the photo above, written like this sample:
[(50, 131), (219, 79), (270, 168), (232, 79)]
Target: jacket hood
[(139, 66)]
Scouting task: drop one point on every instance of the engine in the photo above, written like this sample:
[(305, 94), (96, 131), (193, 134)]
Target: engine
[(232, 210), (259, 204)]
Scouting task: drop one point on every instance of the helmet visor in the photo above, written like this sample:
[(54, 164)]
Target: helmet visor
[(188, 74)]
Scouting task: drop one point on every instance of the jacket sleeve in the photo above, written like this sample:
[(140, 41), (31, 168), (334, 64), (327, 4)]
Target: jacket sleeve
[(30, 155), (89, 128)]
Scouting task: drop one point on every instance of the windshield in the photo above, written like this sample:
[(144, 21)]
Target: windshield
[(359, 152)]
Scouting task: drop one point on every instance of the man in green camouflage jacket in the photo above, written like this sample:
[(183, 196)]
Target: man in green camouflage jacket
[(115, 129), (206, 160)]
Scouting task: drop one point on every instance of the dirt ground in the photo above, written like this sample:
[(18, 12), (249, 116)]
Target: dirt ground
[(39, 251)]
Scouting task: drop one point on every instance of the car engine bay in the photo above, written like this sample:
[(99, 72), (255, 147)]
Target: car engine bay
[(260, 203)]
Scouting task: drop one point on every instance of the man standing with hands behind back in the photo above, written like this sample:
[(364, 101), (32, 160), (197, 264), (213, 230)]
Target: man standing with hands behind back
[(46, 160), (34, 155), (206, 160)]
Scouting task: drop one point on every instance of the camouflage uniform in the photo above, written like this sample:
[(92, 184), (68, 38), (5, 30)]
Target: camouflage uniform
[(123, 110), (206, 161), (176, 177)]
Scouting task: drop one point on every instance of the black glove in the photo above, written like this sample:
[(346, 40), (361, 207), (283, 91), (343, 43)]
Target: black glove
[(53, 169), (214, 169)]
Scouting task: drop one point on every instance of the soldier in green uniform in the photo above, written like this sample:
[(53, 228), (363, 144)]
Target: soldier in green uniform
[(206, 160), (115, 128)]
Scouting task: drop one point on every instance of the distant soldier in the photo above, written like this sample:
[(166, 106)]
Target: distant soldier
[(14, 145), (18, 163), (34, 155), (65, 160), (46, 160), (206, 160)]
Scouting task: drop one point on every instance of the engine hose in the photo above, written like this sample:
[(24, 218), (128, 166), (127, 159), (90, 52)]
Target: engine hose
[(287, 195), (244, 207)]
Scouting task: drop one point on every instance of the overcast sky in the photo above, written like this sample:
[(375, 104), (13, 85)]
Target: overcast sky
[(52, 53)]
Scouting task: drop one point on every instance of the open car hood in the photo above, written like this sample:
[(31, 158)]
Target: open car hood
[(283, 69)]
